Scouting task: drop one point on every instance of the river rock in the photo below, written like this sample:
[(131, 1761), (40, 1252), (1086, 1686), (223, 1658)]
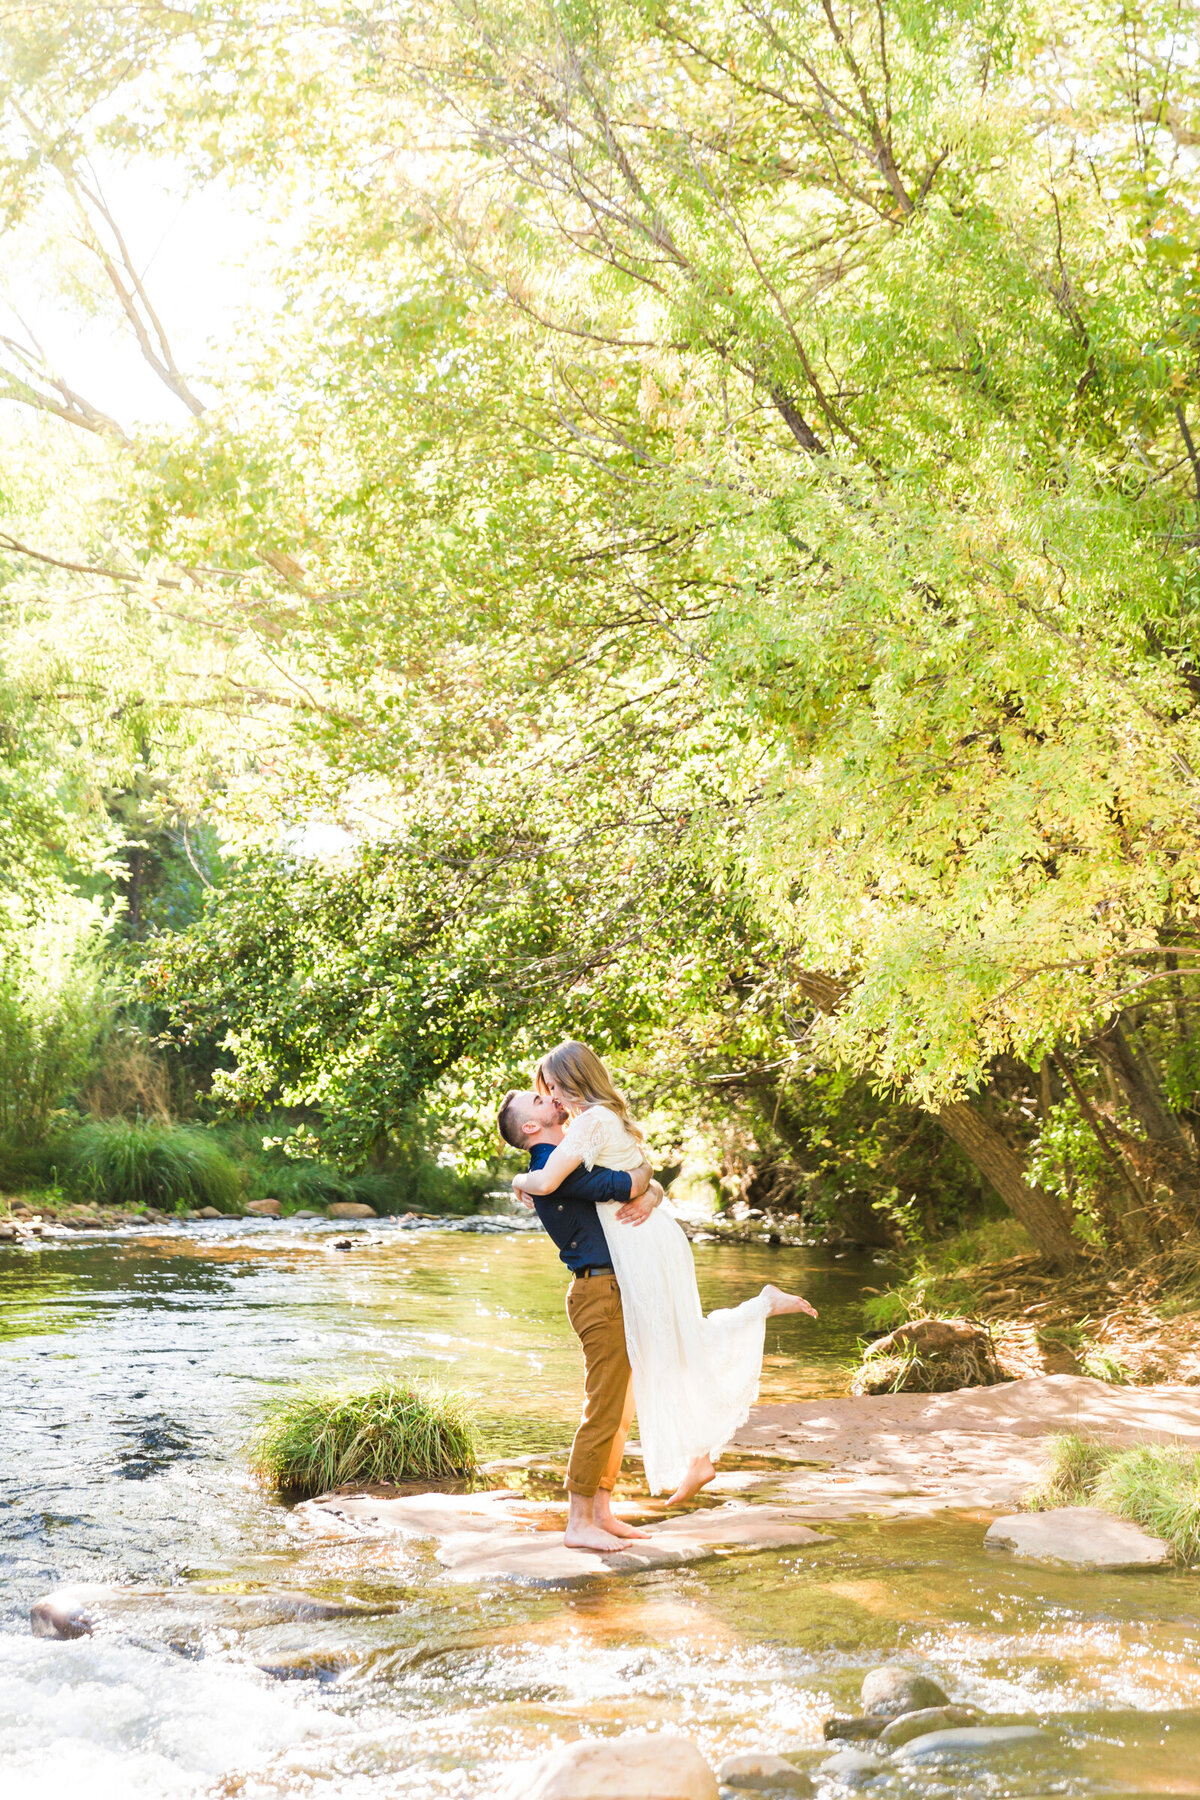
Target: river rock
[(852, 1768), (929, 1718), (967, 1740), (68, 1612), (207, 1212), (868, 1725), (640, 1766), (1085, 1537), (264, 1209), (498, 1535), (306, 1213), (762, 1773), (8, 1233), (892, 1689), (352, 1209)]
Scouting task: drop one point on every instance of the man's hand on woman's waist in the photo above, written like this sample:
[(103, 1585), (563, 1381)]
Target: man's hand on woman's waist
[(637, 1211)]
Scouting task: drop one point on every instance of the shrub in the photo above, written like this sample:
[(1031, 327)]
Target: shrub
[(52, 1008), (1155, 1485), (149, 1164), (319, 1438)]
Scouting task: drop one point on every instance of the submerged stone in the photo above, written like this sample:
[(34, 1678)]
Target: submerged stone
[(853, 1768), (641, 1766), (892, 1689), (762, 1773), (970, 1740), (1085, 1537)]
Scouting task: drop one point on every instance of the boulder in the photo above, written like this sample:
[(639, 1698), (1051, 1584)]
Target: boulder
[(307, 1213), (856, 1730), (352, 1209), (967, 1740), (264, 1209), (207, 1212), (892, 1689), (763, 1773), (1084, 1537), (8, 1233), (929, 1718), (640, 1766), (68, 1612), (853, 1768)]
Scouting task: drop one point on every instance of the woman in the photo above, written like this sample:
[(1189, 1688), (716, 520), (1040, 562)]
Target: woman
[(695, 1378)]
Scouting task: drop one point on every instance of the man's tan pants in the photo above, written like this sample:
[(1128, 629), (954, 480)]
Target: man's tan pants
[(594, 1309)]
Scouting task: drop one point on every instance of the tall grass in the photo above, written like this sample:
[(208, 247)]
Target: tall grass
[(319, 1438), (150, 1164), (1156, 1486)]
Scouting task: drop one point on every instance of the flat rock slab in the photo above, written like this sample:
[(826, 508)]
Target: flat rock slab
[(498, 1536), (1084, 1537), (911, 1455)]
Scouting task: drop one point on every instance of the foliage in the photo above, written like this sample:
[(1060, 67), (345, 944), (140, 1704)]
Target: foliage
[(1157, 1486), (149, 1164), (945, 1278), (318, 1439), (52, 1009), (716, 506)]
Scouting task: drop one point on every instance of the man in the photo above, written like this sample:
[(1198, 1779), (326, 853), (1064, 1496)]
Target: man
[(532, 1122)]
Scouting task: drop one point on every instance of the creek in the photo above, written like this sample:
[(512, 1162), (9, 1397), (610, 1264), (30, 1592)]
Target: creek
[(134, 1367)]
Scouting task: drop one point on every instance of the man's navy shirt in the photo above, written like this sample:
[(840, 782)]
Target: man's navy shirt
[(569, 1213)]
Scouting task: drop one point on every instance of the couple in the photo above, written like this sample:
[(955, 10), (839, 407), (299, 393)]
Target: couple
[(633, 1302)]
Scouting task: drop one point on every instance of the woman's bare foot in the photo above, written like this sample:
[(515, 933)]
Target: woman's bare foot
[(779, 1302), (607, 1520), (700, 1473)]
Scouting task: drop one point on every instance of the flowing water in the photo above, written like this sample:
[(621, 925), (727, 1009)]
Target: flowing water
[(133, 1368)]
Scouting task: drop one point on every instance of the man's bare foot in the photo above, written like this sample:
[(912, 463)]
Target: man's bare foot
[(700, 1473), (779, 1302), (607, 1520), (590, 1537)]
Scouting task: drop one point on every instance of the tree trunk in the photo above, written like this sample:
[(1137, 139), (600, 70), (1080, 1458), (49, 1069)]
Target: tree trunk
[(1043, 1218), (999, 1164)]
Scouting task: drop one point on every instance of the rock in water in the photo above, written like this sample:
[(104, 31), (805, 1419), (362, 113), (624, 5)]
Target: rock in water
[(264, 1209), (929, 1718), (977, 1740), (638, 1767), (853, 1768), (1083, 1536), (762, 1773), (856, 1730), (352, 1209), (893, 1689), (68, 1612)]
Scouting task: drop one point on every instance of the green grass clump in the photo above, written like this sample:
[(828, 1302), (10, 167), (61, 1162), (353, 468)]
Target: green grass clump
[(1155, 1486), (1158, 1488), (320, 1438), (1075, 1465), (149, 1164)]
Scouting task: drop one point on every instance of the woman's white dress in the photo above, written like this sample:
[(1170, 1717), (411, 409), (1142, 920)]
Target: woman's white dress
[(695, 1378)]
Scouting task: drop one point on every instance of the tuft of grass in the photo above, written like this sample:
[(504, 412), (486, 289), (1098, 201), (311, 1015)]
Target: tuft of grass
[(1102, 1365), (1156, 1486), (319, 1438), (148, 1163), (1075, 1464)]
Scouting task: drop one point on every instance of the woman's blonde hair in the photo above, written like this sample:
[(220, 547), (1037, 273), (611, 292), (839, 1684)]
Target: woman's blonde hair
[(582, 1080)]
